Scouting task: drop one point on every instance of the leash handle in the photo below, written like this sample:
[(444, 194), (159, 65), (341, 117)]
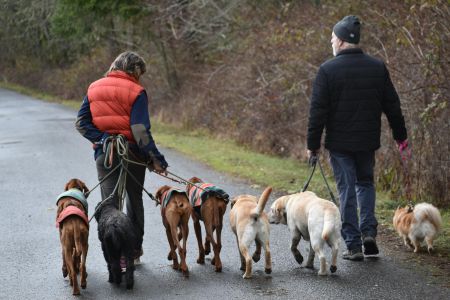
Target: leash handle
[(312, 163)]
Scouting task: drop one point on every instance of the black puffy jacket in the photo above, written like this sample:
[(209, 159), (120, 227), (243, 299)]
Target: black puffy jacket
[(349, 94)]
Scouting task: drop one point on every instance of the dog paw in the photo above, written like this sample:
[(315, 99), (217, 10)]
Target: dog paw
[(309, 266), (169, 256), (333, 269), (298, 258), (65, 272), (324, 273), (268, 270), (256, 257), (247, 276), (76, 293), (218, 269), (201, 260), (185, 273), (175, 266), (430, 250)]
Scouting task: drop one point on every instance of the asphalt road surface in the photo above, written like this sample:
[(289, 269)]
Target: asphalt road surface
[(40, 150)]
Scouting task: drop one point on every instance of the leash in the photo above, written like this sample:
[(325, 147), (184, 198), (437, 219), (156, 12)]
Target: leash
[(121, 145), (407, 178), (313, 161), (181, 181)]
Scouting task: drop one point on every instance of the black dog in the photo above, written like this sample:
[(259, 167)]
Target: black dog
[(116, 234)]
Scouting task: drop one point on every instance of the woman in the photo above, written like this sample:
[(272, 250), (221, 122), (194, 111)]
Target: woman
[(118, 104)]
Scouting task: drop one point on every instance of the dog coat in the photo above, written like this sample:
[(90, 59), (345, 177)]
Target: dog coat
[(167, 195), (198, 195), (77, 195), (70, 211)]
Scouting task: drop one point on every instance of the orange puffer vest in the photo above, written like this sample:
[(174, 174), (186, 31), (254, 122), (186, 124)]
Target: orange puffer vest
[(111, 99)]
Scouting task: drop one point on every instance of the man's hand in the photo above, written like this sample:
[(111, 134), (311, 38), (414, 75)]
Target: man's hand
[(312, 156)]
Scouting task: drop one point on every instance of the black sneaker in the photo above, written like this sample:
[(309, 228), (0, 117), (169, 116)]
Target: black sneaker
[(370, 246), (355, 255)]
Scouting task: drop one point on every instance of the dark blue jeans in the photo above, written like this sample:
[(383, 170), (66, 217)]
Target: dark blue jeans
[(353, 172)]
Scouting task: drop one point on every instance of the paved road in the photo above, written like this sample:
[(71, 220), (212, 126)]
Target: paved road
[(40, 150)]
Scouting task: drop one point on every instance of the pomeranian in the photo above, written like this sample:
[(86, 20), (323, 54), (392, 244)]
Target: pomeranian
[(421, 223)]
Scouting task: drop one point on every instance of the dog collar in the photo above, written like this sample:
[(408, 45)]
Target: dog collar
[(76, 194)]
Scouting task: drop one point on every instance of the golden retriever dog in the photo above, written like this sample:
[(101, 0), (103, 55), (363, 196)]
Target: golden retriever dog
[(249, 223), (414, 226), (175, 212), (73, 223), (316, 220), (209, 204)]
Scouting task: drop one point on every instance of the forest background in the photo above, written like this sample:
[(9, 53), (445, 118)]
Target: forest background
[(243, 69)]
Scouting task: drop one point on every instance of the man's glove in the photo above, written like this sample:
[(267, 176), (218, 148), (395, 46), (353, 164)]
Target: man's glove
[(404, 150), (312, 157)]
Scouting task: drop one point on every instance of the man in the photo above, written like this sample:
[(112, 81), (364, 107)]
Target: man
[(118, 104), (350, 93)]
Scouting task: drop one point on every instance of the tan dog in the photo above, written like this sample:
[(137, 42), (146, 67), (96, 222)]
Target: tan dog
[(210, 210), (175, 212), (249, 223), (316, 220), (74, 233), (423, 222)]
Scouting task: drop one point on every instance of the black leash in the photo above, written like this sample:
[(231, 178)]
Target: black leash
[(313, 161)]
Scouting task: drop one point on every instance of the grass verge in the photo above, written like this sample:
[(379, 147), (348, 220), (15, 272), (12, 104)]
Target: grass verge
[(283, 174)]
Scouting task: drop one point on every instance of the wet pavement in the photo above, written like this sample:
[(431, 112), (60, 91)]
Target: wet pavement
[(40, 150)]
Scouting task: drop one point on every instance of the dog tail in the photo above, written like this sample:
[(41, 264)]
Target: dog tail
[(216, 218), (426, 211), (261, 203), (328, 224), (77, 237)]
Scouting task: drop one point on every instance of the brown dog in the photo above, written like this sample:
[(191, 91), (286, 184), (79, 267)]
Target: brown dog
[(73, 226), (209, 205), (250, 224), (175, 212)]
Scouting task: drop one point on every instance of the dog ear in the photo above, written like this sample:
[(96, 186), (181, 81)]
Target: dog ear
[(161, 191), (195, 180), (83, 186), (67, 186)]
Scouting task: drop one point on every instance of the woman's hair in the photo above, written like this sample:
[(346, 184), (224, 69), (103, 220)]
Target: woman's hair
[(130, 63)]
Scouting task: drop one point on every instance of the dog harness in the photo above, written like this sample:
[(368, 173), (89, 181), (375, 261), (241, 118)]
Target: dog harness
[(75, 194), (198, 195), (167, 195), (70, 211)]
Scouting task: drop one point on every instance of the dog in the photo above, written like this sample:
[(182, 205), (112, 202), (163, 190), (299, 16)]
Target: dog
[(209, 205), (73, 223), (118, 239), (316, 220), (175, 212), (249, 223), (421, 223)]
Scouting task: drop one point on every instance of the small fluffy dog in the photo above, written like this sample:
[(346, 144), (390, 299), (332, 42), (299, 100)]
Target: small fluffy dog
[(249, 223), (117, 237), (423, 222), (209, 204), (73, 223), (316, 220), (175, 212)]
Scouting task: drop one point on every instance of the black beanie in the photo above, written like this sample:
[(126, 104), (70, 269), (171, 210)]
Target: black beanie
[(347, 29)]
